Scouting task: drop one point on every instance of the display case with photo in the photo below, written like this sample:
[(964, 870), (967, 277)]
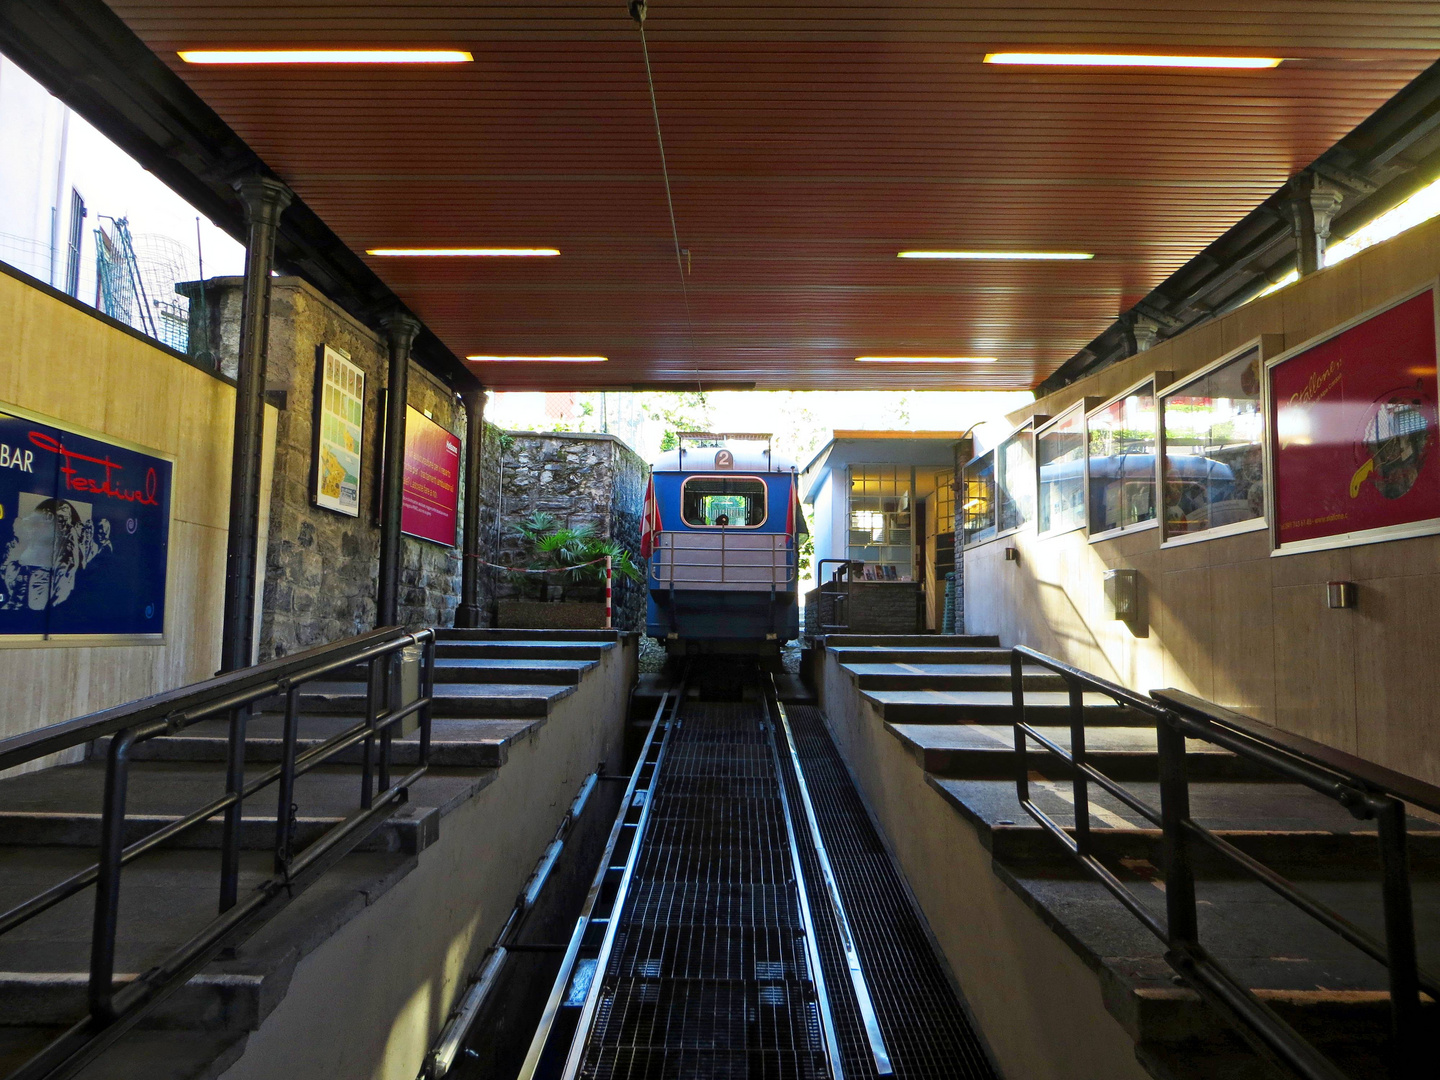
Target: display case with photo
[(1212, 461), (1060, 472), (1122, 441), (1015, 479), (978, 511)]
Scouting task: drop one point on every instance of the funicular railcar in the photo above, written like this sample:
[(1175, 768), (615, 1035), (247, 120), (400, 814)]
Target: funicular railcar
[(720, 528)]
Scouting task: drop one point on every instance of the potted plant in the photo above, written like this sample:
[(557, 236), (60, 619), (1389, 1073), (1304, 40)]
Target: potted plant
[(562, 580)]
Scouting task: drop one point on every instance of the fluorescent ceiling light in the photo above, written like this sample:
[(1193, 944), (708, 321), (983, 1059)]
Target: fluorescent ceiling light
[(325, 56), (539, 359), (443, 253), (925, 359), (1053, 256), (1060, 59)]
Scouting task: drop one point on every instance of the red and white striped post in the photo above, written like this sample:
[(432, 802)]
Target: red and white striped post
[(609, 608)]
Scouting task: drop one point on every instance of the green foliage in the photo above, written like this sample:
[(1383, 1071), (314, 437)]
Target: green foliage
[(678, 412), (565, 551)]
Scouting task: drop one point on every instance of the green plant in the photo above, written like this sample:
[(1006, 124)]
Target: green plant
[(570, 555)]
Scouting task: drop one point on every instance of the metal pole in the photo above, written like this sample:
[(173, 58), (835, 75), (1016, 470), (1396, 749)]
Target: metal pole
[(609, 603), (468, 613), (401, 329), (264, 200)]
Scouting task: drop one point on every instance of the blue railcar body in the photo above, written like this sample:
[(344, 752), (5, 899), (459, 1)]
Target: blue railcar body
[(717, 586)]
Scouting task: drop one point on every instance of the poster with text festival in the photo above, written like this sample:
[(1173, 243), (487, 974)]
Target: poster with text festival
[(84, 534), (431, 481), (1353, 429)]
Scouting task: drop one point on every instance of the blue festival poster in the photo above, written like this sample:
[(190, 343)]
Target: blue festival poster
[(84, 534)]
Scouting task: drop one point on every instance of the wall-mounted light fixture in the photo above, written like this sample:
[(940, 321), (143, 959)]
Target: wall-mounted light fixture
[(1122, 594), (1012, 554), (1341, 594)]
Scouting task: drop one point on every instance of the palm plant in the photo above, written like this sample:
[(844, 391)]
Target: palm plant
[(571, 554)]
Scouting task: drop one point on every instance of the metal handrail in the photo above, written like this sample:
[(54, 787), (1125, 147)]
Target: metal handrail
[(841, 576), (112, 1012), (1368, 791)]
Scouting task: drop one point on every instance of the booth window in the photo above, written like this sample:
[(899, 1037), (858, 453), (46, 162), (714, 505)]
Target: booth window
[(944, 503), (880, 531), (708, 502), (1214, 466), (1122, 438), (1015, 481), (979, 506), (1060, 465)]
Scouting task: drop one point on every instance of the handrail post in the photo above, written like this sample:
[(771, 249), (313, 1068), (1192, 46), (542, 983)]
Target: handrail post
[(234, 785), (1399, 939), (1180, 918), (427, 690), (372, 689), (390, 682), (1017, 698), (284, 825), (107, 878), (1080, 785)]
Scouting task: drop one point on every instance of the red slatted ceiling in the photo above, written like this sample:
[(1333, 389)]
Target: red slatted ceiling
[(807, 145)]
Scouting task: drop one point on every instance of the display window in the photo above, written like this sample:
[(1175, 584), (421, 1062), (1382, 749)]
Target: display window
[(1060, 472), (880, 527), (1213, 464), (1122, 440), (1015, 481), (978, 511), (1353, 431)]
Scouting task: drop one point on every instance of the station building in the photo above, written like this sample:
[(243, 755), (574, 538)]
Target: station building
[(347, 734)]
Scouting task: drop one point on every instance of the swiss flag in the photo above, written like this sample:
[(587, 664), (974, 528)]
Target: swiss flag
[(649, 521)]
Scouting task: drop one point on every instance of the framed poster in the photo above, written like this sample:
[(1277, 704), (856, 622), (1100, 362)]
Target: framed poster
[(339, 431), (84, 535), (1212, 457), (1353, 431), (430, 501)]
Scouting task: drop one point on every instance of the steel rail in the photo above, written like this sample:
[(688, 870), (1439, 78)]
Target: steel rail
[(541, 1039), (878, 1051)]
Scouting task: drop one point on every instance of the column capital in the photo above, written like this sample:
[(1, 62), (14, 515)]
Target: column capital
[(400, 329), (265, 198)]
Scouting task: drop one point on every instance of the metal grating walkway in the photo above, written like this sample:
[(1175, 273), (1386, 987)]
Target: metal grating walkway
[(708, 977), (926, 1030)]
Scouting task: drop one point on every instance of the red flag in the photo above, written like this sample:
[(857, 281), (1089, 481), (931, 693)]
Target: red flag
[(790, 516), (649, 522)]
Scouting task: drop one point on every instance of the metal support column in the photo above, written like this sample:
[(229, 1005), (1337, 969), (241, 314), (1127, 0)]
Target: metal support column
[(1312, 206), (265, 199), (468, 613), (400, 329)]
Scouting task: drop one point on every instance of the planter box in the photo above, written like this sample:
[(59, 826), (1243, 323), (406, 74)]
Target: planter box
[(539, 615)]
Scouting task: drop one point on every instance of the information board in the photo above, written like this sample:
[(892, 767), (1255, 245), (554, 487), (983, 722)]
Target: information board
[(1353, 429), (431, 481), (339, 431), (84, 534)]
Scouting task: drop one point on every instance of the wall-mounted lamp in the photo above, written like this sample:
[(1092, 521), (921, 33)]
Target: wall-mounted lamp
[(1012, 554), (1341, 594), (1122, 594)]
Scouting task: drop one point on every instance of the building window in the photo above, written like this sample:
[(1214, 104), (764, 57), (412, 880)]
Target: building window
[(736, 502), (1060, 465), (1015, 481), (72, 249), (1122, 438), (880, 531), (944, 503), (1214, 466), (979, 506)]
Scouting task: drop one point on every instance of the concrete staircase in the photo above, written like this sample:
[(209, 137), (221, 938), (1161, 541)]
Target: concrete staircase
[(494, 690), (942, 722)]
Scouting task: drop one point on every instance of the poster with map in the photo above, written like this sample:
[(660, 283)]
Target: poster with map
[(1353, 429), (339, 431), (84, 535)]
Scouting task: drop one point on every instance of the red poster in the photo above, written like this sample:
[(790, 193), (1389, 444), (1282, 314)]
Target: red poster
[(1353, 426), (432, 480)]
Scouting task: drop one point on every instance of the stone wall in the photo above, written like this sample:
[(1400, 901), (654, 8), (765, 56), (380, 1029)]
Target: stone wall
[(579, 479), (872, 607), (964, 450), (321, 566)]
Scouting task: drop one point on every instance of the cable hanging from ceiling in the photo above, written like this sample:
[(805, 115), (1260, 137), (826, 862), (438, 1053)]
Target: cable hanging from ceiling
[(637, 12)]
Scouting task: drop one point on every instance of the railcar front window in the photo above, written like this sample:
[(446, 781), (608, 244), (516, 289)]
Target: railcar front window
[(735, 502)]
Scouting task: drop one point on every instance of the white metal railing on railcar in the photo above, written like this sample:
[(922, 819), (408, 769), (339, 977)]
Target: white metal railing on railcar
[(723, 559)]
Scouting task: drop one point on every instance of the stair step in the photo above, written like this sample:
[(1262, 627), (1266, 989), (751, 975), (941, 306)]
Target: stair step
[(458, 634), (927, 676), (995, 706), (914, 654), (928, 641), (566, 649), (466, 699), (986, 752)]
